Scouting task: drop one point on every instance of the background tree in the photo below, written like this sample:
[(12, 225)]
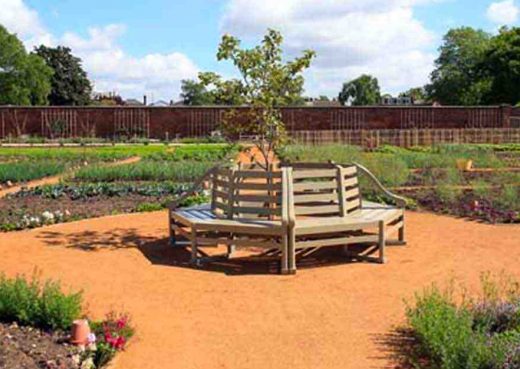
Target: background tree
[(416, 93), (456, 79), (24, 78), (363, 90), (70, 84), (266, 84), (501, 65), (194, 93)]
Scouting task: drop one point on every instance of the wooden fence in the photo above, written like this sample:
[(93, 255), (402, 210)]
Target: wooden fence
[(408, 137)]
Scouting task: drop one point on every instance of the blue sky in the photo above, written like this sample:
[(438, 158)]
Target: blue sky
[(142, 47)]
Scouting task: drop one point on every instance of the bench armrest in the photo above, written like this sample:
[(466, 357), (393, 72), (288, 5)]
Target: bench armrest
[(399, 200), (193, 189)]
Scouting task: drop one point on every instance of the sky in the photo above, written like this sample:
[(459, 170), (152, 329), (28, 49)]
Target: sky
[(147, 47)]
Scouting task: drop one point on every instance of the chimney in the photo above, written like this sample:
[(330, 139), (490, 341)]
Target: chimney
[(144, 100)]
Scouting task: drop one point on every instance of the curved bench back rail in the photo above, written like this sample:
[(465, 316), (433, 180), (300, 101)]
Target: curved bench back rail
[(329, 190), (241, 193)]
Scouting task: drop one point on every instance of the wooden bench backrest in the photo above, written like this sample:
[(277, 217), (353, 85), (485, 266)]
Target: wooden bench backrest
[(324, 189), (239, 193)]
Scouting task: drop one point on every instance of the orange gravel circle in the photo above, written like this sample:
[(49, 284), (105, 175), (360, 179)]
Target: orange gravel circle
[(240, 313)]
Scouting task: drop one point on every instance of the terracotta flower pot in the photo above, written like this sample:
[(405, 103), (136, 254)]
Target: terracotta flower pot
[(464, 164), (80, 332)]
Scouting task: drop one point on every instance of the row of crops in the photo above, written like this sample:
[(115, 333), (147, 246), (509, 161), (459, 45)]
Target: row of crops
[(93, 185)]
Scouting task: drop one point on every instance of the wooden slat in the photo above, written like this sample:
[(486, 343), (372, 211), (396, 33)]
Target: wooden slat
[(259, 186), (221, 194), (351, 182), (241, 242), (317, 173), (323, 209), (350, 171), (302, 186), (337, 241), (256, 210), (257, 174), (315, 197), (352, 193), (259, 198)]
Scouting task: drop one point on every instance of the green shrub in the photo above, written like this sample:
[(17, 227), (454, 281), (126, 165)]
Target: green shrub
[(446, 332), (477, 333), (37, 304)]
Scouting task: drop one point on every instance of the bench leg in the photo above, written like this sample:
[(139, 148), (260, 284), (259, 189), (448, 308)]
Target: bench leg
[(171, 223), (284, 267), (291, 252), (401, 233), (381, 242), (231, 248), (194, 257)]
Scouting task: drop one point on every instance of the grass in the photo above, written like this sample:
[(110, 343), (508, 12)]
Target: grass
[(147, 170), (29, 170)]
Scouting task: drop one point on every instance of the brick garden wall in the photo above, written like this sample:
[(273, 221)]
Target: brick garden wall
[(173, 122)]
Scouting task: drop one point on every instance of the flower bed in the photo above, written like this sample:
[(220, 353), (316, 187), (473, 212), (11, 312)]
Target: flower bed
[(62, 203), (35, 321), (493, 205)]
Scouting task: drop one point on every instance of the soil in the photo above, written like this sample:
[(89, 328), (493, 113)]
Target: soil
[(30, 348)]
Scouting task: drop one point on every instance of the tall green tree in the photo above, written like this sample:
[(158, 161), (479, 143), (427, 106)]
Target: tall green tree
[(194, 93), (24, 78), (501, 65), (70, 84), (266, 83), (363, 90), (456, 79)]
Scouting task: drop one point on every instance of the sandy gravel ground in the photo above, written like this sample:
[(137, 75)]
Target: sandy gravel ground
[(241, 314)]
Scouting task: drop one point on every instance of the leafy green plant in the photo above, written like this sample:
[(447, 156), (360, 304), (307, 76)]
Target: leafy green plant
[(26, 171), (481, 332), (148, 207), (184, 171), (36, 303)]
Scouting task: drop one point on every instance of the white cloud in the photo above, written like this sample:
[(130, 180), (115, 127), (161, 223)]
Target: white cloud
[(107, 64), (113, 70), (503, 12), (20, 19), (350, 36)]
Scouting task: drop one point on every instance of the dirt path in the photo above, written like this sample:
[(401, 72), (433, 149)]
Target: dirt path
[(240, 314), (58, 178)]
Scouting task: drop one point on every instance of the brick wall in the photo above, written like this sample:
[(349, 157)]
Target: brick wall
[(200, 121)]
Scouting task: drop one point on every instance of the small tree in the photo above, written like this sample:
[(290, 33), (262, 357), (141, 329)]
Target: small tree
[(266, 84)]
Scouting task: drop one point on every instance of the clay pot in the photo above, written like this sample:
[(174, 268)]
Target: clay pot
[(464, 164), (80, 331)]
